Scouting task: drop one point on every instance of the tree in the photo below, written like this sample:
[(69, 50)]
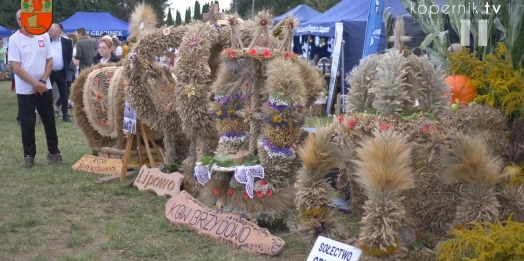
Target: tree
[(178, 19), (321, 5), (187, 17), (205, 8), (197, 14), (169, 19)]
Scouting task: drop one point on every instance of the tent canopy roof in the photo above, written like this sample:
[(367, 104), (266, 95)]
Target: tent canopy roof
[(303, 12), (96, 23)]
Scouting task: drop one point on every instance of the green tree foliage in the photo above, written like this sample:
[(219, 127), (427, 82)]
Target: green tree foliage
[(205, 8), (178, 19), (197, 14), (321, 5), (187, 17), (277, 7), (169, 19)]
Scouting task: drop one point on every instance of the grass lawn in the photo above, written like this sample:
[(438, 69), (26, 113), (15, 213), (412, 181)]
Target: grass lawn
[(55, 213)]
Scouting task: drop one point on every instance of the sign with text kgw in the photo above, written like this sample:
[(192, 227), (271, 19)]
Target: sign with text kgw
[(161, 183), (326, 249), (98, 165), (185, 210)]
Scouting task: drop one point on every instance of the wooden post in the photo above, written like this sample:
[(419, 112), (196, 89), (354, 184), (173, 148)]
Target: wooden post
[(338, 105), (127, 155)]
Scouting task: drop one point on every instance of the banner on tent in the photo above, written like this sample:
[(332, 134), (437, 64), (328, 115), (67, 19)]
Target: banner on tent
[(99, 33), (374, 27), (313, 29), (339, 30)]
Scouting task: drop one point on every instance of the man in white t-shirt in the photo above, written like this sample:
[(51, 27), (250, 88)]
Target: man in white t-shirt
[(32, 59)]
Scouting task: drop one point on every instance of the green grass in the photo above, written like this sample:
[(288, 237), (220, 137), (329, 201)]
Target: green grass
[(56, 213)]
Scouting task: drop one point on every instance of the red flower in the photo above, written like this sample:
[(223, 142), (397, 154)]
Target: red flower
[(269, 193), (245, 195), (352, 124), (230, 192), (224, 51), (341, 118), (263, 22), (246, 84), (287, 56), (292, 25), (263, 182), (216, 191), (231, 22), (253, 51), (232, 54), (260, 194), (384, 126), (427, 128), (267, 54)]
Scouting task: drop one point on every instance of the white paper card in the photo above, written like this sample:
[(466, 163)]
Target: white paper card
[(326, 249)]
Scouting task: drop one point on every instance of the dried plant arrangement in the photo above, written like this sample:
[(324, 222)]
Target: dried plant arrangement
[(319, 154), (468, 161), (384, 170)]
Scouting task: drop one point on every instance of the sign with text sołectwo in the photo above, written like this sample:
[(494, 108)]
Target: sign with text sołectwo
[(339, 33), (184, 209), (161, 183), (99, 165), (326, 249)]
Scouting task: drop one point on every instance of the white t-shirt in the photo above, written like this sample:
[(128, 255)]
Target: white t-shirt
[(32, 53), (119, 50)]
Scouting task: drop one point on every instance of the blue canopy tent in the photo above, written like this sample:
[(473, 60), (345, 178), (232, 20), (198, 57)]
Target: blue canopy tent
[(96, 23), (4, 32), (304, 13), (353, 14)]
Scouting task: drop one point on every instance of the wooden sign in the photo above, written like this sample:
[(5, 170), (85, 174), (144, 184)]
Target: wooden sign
[(162, 184), (98, 165), (184, 209), (327, 249)]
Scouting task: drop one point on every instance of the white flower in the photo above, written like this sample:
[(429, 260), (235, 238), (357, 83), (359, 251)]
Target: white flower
[(166, 31)]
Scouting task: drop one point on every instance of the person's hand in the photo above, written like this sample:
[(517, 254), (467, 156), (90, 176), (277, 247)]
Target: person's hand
[(40, 88)]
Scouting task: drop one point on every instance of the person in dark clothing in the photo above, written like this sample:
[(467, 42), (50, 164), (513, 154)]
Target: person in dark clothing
[(63, 49), (105, 55), (85, 49)]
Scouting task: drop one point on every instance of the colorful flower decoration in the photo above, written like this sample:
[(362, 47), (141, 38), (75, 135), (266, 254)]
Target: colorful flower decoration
[(97, 110), (230, 192), (216, 191), (427, 128), (192, 41), (260, 194), (287, 56), (104, 121), (166, 31), (232, 54), (341, 118), (267, 54), (253, 51), (99, 96), (385, 126), (352, 124), (263, 22), (190, 90), (245, 195)]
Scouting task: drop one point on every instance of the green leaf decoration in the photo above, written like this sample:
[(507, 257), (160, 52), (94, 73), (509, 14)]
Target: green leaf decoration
[(206, 160), (26, 5), (250, 163), (47, 5)]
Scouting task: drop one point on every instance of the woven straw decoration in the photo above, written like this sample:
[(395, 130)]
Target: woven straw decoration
[(100, 100)]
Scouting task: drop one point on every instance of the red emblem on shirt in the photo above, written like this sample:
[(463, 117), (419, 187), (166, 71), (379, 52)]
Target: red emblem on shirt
[(41, 43)]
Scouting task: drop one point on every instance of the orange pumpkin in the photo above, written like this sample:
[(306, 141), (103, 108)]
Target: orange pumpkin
[(462, 91)]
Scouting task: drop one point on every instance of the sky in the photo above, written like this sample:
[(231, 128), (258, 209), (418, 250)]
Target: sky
[(182, 5)]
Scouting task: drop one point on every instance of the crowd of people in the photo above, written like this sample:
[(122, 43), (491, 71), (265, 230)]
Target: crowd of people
[(40, 61)]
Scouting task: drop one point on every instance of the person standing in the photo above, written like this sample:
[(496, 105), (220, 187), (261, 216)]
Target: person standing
[(105, 53), (32, 59), (86, 49), (3, 61), (62, 58)]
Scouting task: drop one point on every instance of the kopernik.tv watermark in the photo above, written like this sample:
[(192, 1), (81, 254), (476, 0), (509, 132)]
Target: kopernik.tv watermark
[(465, 24)]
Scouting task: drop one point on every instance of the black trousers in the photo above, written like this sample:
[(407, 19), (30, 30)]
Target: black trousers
[(26, 110), (59, 77)]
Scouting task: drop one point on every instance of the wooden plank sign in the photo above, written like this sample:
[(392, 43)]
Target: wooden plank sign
[(184, 209), (162, 184), (98, 165)]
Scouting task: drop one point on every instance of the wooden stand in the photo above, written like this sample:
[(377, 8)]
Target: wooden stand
[(140, 134)]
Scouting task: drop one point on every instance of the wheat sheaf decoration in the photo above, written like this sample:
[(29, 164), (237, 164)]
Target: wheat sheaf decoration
[(469, 162), (319, 154), (384, 170)]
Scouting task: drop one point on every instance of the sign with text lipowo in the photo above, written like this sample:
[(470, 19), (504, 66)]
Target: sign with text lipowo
[(98, 165), (163, 184), (183, 209), (326, 249)]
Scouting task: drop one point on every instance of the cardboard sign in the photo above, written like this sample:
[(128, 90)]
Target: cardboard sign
[(184, 209), (98, 165), (326, 249), (162, 184)]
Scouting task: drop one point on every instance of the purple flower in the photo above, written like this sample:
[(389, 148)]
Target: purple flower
[(275, 149)]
